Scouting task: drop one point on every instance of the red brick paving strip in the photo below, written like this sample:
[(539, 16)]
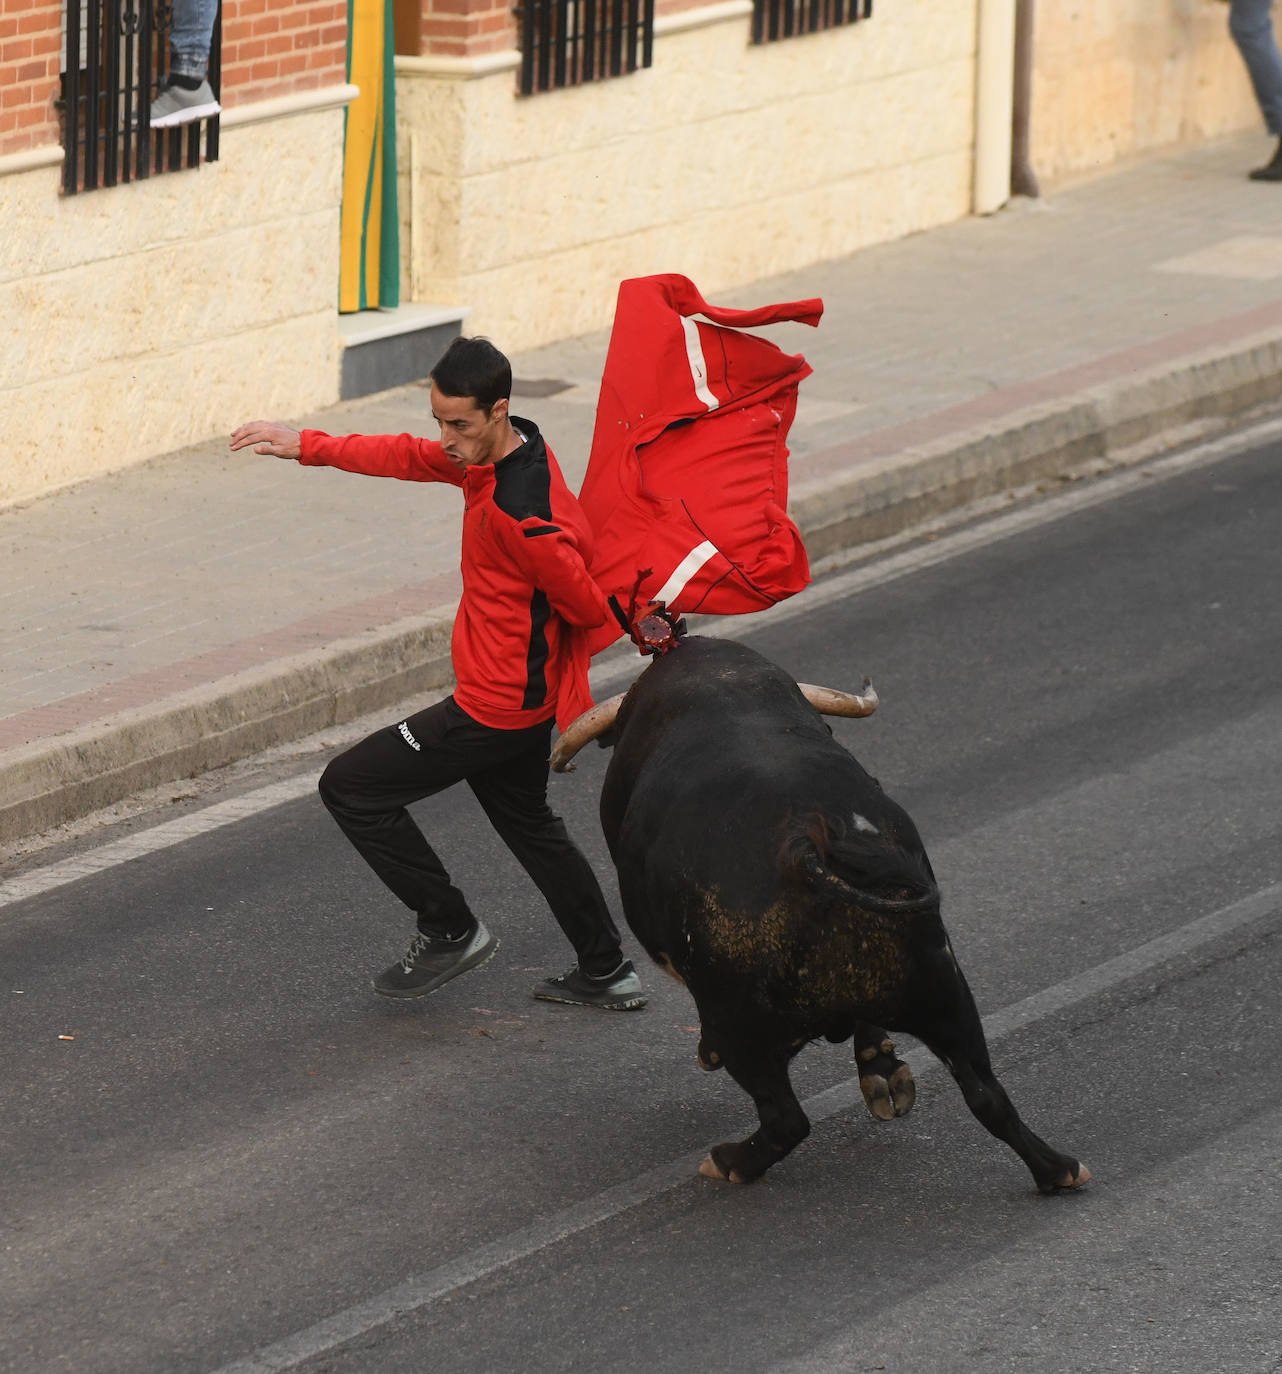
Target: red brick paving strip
[(1008, 400)]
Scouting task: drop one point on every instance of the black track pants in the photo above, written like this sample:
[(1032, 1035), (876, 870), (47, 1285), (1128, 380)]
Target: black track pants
[(368, 788)]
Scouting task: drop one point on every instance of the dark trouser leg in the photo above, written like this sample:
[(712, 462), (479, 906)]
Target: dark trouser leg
[(514, 795), (1251, 24), (368, 788)]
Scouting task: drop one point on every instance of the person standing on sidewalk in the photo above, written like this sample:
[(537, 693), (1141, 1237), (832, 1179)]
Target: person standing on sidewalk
[(1251, 26), (525, 548)]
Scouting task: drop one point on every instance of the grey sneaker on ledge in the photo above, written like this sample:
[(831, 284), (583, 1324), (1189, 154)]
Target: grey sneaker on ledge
[(432, 961), (617, 991), (177, 105)]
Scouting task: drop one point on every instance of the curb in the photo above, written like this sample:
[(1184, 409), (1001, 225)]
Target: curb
[(53, 781), (884, 496)]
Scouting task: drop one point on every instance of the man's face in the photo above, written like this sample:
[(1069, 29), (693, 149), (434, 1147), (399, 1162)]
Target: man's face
[(468, 435)]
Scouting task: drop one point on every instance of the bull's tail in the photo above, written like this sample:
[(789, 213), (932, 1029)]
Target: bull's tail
[(871, 870)]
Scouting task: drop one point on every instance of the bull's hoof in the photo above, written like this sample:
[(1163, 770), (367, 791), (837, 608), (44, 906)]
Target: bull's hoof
[(708, 1058), (885, 1081), (711, 1169), (1077, 1177), (721, 1173)]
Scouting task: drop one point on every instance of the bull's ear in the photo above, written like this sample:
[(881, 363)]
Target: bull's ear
[(607, 740)]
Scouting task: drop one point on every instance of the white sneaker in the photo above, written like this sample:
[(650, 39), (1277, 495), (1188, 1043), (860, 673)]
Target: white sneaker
[(177, 105)]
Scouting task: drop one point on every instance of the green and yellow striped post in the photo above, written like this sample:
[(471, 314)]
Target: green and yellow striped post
[(369, 258)]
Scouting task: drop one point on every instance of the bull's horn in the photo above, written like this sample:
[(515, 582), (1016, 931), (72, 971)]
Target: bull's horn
[(830, 702), (583, 731)]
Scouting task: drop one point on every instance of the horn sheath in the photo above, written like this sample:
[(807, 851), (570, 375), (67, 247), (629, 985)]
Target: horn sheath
[(583, 731), (830, 702)]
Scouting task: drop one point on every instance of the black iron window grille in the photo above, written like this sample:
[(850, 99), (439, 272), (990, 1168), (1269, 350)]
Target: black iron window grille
[(775, 19), (115, 56), (572, 42)]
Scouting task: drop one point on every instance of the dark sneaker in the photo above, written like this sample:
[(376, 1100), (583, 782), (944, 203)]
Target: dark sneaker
[(617, 991), (431, 961), (1272, 170)]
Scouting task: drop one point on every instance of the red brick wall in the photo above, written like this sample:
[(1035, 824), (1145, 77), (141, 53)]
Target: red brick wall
[(276, 47), (30, 47), (663, 7), (270, 48), (471, 28), (467, 28)]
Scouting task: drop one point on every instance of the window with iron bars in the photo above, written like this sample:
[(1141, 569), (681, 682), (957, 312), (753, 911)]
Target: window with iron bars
[(115, 54), (775, 19), (572, 42)]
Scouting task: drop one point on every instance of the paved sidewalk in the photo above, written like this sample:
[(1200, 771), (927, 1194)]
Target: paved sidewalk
[(201, 606)]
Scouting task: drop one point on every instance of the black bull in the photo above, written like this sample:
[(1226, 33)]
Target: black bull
[(764, 868)]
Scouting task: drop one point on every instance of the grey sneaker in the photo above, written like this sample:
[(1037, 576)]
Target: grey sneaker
[(431, 961), (617, 991), (177, 105)]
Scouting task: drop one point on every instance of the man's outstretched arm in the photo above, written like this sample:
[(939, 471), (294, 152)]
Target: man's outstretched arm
[(267, 436), (404, 456)]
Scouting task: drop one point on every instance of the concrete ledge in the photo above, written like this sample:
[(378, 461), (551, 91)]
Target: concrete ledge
[(31, 159), (859, 500), (286, 106), (459, 68), (387, 348)]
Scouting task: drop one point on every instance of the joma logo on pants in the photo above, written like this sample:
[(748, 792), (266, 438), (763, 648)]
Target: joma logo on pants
[(404, 728)]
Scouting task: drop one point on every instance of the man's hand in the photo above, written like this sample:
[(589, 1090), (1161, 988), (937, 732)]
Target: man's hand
[(268, 437)]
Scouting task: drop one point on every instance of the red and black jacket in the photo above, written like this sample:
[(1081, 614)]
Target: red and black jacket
[(525, 549)]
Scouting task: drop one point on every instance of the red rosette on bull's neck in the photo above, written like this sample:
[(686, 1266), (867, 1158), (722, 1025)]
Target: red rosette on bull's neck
[(688, 474)]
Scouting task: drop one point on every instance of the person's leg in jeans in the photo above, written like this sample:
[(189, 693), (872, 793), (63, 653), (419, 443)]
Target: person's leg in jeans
[(185, 93), (190, 34), (1251, 25)]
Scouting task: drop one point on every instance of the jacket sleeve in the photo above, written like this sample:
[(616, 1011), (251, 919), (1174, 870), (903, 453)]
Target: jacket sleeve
[(380, 455), (549, 557)]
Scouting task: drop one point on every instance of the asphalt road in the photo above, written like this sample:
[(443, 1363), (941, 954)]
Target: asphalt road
[(220, 1151)]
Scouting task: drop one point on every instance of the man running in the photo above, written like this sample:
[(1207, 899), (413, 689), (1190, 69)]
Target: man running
[(525, 549)]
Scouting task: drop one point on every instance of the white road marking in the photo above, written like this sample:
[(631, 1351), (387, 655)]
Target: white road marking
[(150, 841), (423, 1289)]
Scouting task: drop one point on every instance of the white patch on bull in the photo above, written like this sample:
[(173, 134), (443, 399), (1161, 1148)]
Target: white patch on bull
[(864, 824)]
